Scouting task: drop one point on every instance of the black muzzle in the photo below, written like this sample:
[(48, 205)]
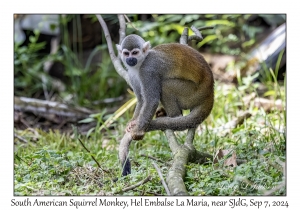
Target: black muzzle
[(131, 61)]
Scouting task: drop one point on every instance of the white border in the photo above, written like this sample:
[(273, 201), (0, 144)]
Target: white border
[(8, 8)]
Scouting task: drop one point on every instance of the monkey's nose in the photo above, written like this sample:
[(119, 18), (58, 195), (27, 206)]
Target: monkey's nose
[(131, 61)]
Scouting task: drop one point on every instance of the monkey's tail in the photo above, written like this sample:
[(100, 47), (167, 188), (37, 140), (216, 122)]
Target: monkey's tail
[(123, 154)]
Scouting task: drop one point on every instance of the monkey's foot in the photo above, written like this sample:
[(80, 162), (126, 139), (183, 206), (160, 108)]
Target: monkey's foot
[(160, 112), (130, 126), (137, 135)]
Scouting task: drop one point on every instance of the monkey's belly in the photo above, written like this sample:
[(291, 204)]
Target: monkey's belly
[(181, 93)]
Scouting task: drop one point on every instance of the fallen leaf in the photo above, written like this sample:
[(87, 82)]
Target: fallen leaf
[(229, 161)]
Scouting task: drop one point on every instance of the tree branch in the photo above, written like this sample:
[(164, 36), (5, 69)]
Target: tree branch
[(182, 154), (116, 61), (176, 174), (190, 138), (198, 37), (173, 143), (184, 36), (107, 37), (122, 30), (130, 23), (45, 107)]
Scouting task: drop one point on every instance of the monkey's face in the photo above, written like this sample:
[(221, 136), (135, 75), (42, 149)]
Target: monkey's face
[(131, 57), (133, 52)]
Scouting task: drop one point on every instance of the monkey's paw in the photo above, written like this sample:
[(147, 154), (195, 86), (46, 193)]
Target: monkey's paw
[(130, 126), (137, 135)]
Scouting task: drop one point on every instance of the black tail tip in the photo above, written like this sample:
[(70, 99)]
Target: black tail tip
[(126, 168)]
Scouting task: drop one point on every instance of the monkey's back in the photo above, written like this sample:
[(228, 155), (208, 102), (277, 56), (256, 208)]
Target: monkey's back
[(188, 63)]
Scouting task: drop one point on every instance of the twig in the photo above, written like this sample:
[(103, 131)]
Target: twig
[(24, 122), (92, 156), (63, 122), (161, 177), (135, 185), (128, 20), (156, 159), (149, 192), (198, 37), (20, 138)]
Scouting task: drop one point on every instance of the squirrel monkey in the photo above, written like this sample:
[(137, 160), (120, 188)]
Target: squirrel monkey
[(175, 75)]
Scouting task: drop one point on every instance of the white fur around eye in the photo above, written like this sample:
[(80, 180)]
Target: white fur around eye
[(126, 53)]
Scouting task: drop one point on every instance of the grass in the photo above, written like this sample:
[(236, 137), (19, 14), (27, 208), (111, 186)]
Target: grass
[(57, 164)]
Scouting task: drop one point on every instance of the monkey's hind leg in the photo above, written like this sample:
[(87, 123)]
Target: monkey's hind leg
[(123, 154)]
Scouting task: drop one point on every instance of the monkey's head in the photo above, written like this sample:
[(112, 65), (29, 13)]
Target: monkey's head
[(133, 50)]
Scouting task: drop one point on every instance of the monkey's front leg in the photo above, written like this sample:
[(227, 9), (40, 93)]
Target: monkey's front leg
[(133, 122), (147, 113), (160, 112)]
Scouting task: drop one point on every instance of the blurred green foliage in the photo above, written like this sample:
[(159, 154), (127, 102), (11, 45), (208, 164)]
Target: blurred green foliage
[(29, 77), (233, 33)]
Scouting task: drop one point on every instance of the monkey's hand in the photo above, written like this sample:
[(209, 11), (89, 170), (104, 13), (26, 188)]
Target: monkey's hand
[(137, 134), (130, 126)]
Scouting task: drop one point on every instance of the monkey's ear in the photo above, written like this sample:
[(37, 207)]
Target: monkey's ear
[(119, 48), (146, 46)]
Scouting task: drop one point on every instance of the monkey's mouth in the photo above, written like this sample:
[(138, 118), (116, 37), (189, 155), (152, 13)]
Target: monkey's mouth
[(131, 61)]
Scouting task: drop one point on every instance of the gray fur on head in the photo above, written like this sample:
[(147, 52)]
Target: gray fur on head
[(132, 41)]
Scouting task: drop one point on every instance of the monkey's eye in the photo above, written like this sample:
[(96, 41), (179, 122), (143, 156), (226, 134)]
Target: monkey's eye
[(126, 53), (135, 52)]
